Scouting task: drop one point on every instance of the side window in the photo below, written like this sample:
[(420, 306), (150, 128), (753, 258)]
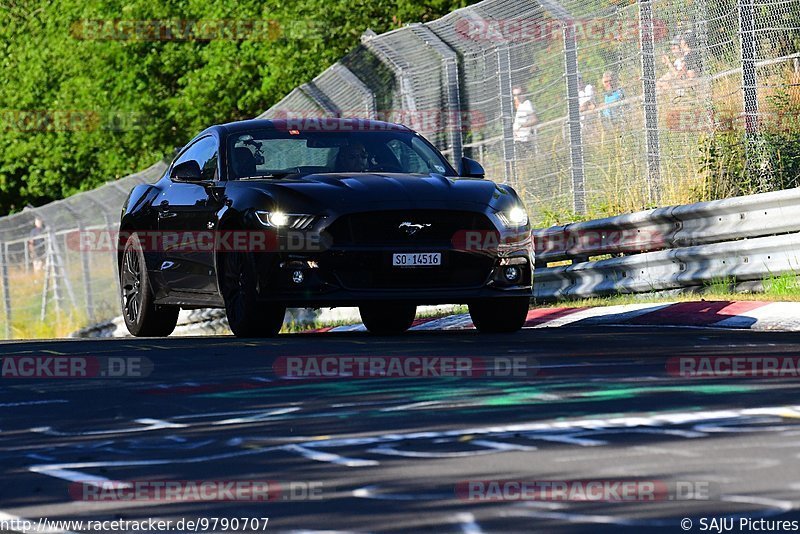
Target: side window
[(205, 152)]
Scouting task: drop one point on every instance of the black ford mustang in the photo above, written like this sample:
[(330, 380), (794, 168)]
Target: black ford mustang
[(260, 215)]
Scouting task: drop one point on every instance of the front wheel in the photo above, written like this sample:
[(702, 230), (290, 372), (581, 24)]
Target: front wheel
[(500, 315), (246, 316), (386, 318), (143, 318)]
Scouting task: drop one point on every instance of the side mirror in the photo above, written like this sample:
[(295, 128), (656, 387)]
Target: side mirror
[(188, 171), (471, 168)]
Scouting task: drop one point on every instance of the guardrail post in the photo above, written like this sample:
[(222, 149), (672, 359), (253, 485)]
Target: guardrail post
[(649, 103), (6, 287)]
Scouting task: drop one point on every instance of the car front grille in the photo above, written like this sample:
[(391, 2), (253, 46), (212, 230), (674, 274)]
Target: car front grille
[(405, 227), (373, 270)]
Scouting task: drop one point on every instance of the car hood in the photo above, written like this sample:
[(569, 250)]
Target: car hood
[(380, 191)]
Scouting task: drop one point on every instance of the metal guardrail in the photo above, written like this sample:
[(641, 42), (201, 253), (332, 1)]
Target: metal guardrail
[(464, 81), (739, 239)]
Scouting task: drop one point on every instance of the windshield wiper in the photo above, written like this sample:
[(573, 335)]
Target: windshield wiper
[(267, 176), (273, 174)]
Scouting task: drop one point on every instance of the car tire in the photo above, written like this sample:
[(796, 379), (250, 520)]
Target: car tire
[(387, 318), (501, 315), (246, 316), (143, 318)]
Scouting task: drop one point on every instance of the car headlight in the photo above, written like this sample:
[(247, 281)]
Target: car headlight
[(279, 219), (513, 218)]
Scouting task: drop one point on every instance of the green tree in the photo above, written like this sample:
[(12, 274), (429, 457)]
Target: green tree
[(116, 105)]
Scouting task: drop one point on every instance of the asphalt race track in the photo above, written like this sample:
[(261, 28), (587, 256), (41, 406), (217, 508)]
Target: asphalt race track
[(390, 454)]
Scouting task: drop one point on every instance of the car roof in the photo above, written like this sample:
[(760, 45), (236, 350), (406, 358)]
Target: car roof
[(330, 123)]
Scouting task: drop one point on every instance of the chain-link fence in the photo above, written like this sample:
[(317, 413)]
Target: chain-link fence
[(53, 279), (587, 106)]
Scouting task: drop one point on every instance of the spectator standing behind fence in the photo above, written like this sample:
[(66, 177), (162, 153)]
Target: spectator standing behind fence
[(676, 66), (611, 96), (691, 58), (525, 118), (586, 101), (36, 244)]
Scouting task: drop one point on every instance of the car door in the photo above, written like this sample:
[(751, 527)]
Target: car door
[(187, 220)]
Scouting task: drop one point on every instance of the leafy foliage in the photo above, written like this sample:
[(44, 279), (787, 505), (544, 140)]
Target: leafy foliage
[(736, 163), (80, 106)]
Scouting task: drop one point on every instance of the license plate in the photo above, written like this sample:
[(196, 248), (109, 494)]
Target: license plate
[(424, 259)]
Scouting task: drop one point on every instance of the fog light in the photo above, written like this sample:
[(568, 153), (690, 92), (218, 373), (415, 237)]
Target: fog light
[(298, 277), (512, 273)]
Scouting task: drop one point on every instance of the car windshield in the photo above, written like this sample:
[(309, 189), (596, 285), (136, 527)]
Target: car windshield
[(277, 154)]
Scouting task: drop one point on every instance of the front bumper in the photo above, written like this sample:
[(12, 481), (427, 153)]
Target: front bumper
[(348, 276)]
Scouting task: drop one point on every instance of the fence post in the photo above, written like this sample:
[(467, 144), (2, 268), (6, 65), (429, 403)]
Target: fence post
[(321, 99), (750, 92), (113, 230), (385, 55), (85, 268), (649, 102), (450, 75), (360, 87), (507, 113), (573, 105), (574, 121), (749, 89), (6, 287)]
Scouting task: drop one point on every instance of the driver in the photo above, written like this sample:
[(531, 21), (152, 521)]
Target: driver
[(352, 158)]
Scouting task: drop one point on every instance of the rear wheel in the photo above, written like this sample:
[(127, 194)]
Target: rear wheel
[(387, 318), (246, 316), (499, 315), (142, 317)]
